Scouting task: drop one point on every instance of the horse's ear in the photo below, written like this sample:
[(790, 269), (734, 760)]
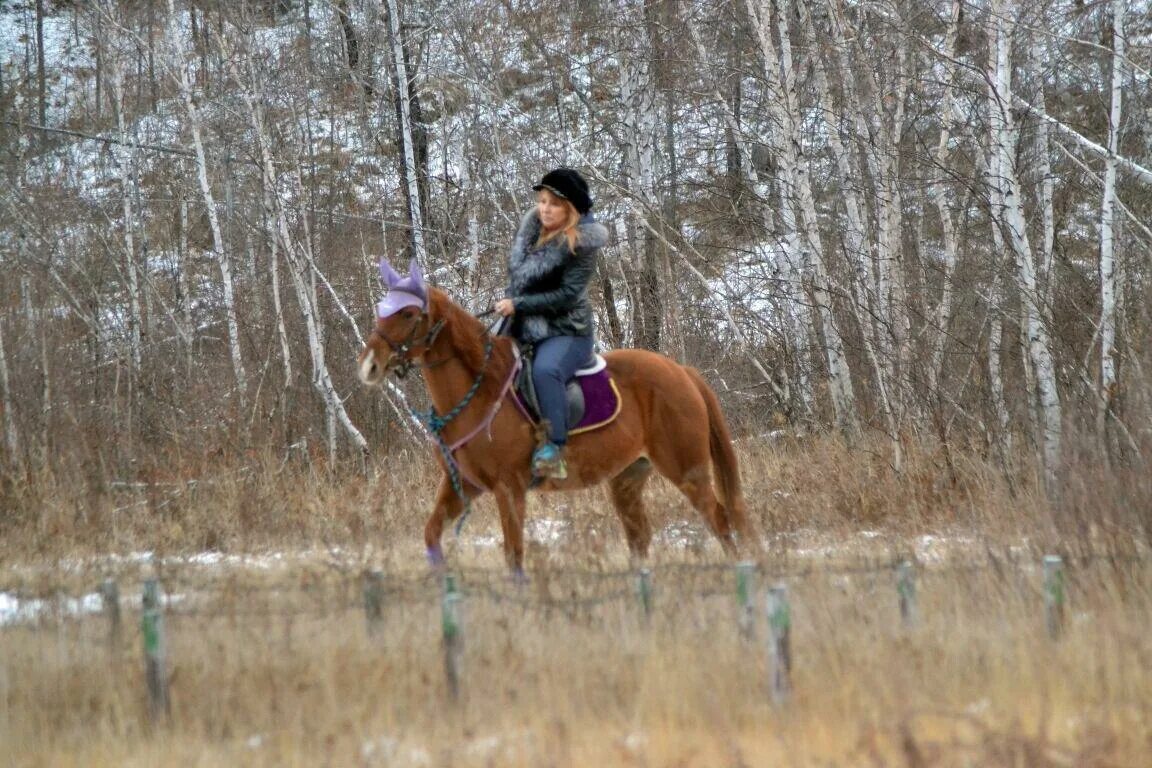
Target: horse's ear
[(417, 275), (389, 275)]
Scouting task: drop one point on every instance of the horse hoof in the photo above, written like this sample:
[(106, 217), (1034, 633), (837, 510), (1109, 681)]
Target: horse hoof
[(518, 577), (435, 557)]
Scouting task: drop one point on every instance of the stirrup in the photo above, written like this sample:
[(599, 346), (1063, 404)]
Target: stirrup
[(547, 462)]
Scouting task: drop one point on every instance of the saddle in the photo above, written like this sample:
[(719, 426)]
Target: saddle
[(592, 397)]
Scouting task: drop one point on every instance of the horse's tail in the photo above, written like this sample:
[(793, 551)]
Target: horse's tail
[(725, 466)]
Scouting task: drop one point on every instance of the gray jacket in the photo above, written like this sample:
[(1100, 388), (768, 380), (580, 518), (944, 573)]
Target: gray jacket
[(548, 284)]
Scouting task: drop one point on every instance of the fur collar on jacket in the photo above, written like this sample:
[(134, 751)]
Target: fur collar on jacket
[(527, 264)]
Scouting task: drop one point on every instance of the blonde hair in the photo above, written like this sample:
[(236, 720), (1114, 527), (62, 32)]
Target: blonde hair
[(570, 224)]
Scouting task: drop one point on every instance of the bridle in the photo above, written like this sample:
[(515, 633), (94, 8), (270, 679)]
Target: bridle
[(403, 349)]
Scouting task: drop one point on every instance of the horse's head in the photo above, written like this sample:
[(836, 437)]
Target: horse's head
[(404, 331)]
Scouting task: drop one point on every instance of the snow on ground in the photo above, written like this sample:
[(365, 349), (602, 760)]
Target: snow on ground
[(686, 536), (16, 610)]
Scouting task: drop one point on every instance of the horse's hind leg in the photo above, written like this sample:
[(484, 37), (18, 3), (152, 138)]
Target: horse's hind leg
[(449, 505), (627, 490), (694, 479)]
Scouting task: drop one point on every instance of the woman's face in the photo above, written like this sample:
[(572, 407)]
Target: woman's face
[(553, 210)]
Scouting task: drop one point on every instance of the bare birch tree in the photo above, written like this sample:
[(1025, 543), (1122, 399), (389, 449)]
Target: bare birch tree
[(638, 96), (410, 169), (1008, 207), (220, 253), (11, 432), (940, 199), (126, 162), (1108, 281)]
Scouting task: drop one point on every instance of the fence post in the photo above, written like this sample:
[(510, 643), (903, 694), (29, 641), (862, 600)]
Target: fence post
[(374, 601), (906, 589), (1054, 595), (152, 629), (644, 590), (747, 616), (110, 598), (780, 643), (453, 634)]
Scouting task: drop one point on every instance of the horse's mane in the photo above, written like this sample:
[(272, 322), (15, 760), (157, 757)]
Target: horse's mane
[(467, 335)]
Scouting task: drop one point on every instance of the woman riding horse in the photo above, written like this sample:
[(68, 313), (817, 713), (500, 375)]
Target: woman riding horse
[(552, 260), (668, 418)]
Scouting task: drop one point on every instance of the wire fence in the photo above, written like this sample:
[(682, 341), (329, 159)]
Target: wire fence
[(339, 591), (336, 586)]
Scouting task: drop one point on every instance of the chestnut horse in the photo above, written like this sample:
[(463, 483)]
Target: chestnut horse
[(669, 418)]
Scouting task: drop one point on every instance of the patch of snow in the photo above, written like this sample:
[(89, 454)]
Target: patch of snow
[(485, 541), (17, 610), (682, 535), (635, 743), (389, 750), (928, 549), (977, 708), (497, 749), (547, 530), (264, 561)]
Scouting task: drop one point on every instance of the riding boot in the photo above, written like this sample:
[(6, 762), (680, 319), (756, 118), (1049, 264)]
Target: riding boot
[(548, 462)]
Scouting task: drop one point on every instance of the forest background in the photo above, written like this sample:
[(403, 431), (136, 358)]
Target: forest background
[(917, 228)]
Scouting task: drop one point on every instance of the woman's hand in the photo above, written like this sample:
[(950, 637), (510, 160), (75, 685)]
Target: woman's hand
[(505, 308)]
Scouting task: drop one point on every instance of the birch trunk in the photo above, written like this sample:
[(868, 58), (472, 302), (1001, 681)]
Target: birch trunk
[(1108, 282), (464, 172), (1003, 433), (637, 92), (303, 265), (799, 206), (11, 434), (219, 251), (125, 163), (1046, 277), (410, 175), (938, 191), (184, 288), (1010, 214), (274, 276)]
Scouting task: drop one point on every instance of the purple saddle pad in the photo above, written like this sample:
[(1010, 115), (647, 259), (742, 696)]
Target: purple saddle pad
[(601, 403)]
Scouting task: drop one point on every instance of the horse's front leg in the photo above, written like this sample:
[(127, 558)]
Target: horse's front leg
[(449, 505), (511, 503)]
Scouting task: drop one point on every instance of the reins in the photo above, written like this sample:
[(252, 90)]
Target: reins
[(436, 423)]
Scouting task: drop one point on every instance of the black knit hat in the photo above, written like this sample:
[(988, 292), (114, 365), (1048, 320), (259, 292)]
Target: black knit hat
[(568, 184)]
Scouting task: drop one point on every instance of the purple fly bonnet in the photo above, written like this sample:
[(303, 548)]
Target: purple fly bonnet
[(409, 291)]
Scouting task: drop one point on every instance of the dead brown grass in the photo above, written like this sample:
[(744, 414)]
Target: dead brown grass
[(274, 666)]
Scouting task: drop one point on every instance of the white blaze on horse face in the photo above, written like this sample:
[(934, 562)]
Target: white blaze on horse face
[(369, 370)]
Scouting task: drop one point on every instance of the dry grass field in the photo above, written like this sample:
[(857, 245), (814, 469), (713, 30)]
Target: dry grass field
[(270, 660)]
